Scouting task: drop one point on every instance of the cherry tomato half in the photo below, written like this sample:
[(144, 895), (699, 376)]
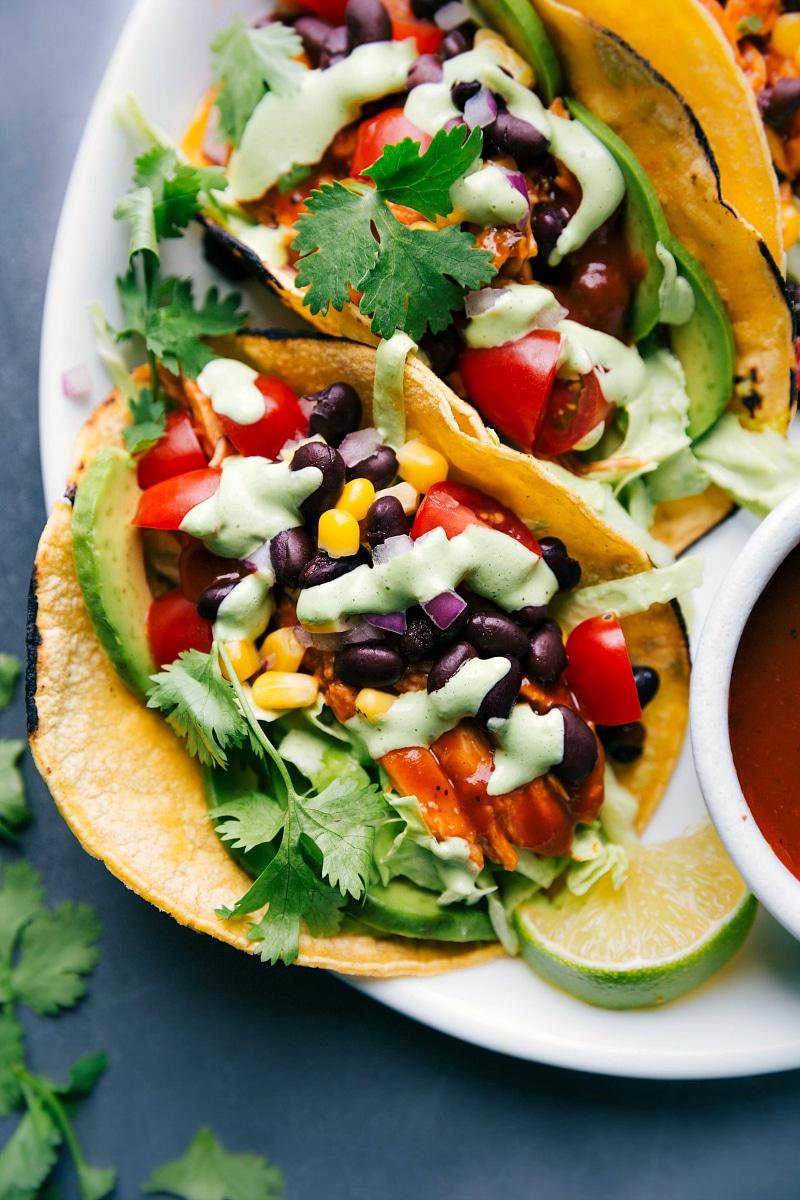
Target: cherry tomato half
[(387, 129), (405, 25), (165, 504), (283, 419), (599, 672), (455, 506), (177, 452), (573, 410), (199, 568), (511, 384), (330, 10), (173, 625)]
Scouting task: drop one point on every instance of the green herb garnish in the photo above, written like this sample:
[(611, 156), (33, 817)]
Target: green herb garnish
[(247, 64), (208, 1172)]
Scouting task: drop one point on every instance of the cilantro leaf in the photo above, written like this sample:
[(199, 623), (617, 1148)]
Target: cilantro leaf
[(247, 62), (200, 706), (336, 237), (137, 208), (208, 1172), (21, 895), (29, 1155), (175, 188), (14, 811), (749, 24), (12, 1054), (338, 821), (83, 1075), (255, 818), (56, 952), (292, 178), (422, 181), (149, 422), (174, 328), (9, 670), (134, 305)]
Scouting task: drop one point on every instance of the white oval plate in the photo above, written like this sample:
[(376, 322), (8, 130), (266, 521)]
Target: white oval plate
[(747, 1019)]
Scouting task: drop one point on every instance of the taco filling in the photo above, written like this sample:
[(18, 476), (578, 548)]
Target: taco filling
[(409, 171)]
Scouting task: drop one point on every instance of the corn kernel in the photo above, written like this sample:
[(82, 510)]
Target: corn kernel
[(285, 689), (338, 533), (790, 225), (405, 493), (421, 465), (786, 34), (372, 704), (244, 659), (356, 497), (283, 649)]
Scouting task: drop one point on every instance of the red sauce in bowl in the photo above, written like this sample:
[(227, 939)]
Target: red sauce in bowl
[(764, 712)]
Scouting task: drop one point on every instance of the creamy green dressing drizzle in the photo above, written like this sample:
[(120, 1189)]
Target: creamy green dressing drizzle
[(675, 294), (530, 744), (515, 312), (230, 386), (297, 127), (418, 719), (245, 612), (634, 594), (255, 500), (486, 197), (430, 106), (489, 562), (388, 405), (271, 245)]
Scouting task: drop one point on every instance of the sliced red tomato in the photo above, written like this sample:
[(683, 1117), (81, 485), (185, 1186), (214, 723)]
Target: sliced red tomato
[(511, 384), (456, 506), (330, 10), (387, 129), (165, 504), (178, 451), (573, 410), (599, 672), (199, 568), (405, 25), (282, 420), (173, 625)]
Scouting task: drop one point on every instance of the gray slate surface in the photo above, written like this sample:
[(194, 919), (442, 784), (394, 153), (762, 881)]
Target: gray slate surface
[(350, 1099)]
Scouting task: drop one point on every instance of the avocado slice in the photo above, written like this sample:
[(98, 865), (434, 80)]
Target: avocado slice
[(521, 26), (403, 908), (704, 344), (107, 552)]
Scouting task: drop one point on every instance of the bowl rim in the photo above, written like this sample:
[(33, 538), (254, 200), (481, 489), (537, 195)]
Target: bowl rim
[(767, 877)]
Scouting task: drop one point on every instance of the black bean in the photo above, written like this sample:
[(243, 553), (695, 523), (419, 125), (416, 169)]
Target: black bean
[(508, 134), (793, 294), (323, 568), (452, 44), (331, 464), (779, 103), (337, 412), (547, 657), (423, 639), (448, 664), (314, 32), (647, 683), (426, 69), (548, 222), (442, 350), (385, 519), (368, 664), (425, 10), (624, 743), (367, 21), (532, 615), (336, 48), (208, 601), (290, 552), (580, 749), (494, 633), (500, 699), (380, 468), (462, 92), (566, 570)]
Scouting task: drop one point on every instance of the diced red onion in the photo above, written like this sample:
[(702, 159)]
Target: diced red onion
[(76, 382), (479, 302), (307, 407), (362, 631), (326, 642), (393, 622), (550, 317), (445, 608), (454, 123), (451, 15), (216, 151), (359, 445), (393, 547), (480, 109)]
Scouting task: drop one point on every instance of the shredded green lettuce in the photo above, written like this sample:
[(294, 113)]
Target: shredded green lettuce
[(756, 469)]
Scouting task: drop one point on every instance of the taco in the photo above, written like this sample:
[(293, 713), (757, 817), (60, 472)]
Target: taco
[(342, 668), (573, 270)]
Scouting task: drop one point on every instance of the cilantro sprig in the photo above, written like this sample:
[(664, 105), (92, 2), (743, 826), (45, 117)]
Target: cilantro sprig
[(208, 1172), (248, 63), (410, 279)]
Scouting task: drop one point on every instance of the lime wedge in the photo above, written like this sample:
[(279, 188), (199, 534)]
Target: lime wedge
[(681, 914)]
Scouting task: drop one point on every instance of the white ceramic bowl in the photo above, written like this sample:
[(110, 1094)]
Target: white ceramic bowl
[(764, 873)]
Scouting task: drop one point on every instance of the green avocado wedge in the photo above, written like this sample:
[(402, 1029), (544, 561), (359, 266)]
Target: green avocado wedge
[(108, 560), (520, 25), (403, 908), (704, 344)]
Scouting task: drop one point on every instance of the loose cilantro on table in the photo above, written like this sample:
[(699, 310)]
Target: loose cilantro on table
[(248, 63), (9, 673), (410, 279), (208, 1172)]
